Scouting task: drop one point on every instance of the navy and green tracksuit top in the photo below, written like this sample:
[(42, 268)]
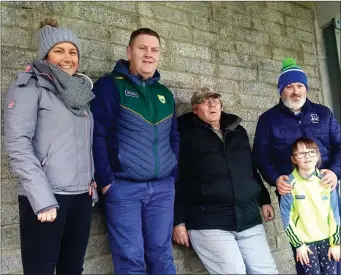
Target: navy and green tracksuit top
[(135, 128), (310, 212)]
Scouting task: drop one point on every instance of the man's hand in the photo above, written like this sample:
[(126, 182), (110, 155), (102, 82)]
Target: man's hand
[(180, 235), (329, 179), (268, 212), (334, 251), (48, 216), (105, 188), (302, 254), (283, 187)]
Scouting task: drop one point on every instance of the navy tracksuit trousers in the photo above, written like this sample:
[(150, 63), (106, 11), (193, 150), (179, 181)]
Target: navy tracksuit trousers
[(139, 217)]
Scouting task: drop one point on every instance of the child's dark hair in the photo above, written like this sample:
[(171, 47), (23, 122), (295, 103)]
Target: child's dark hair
[(138, 32), (310, 144)]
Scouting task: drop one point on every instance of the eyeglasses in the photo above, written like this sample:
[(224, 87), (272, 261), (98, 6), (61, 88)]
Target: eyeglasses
[(302, 155), (208, 101)]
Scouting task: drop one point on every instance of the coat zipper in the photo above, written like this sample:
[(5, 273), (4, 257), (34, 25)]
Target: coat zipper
[(156, 170), (300, 125), (201, 206), (234, 189), (87, 143), (47, 156)]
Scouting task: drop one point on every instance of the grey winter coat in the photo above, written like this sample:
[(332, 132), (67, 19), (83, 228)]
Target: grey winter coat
[(49, 147)]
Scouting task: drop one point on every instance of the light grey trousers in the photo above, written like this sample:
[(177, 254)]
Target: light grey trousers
[(231, 252)]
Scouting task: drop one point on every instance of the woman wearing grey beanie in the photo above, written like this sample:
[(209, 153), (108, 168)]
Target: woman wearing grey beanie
[(48, 137)]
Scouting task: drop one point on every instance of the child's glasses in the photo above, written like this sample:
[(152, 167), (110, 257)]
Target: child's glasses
[(302, 155)]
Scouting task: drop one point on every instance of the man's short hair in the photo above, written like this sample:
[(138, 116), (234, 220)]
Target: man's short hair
[(138, 32)]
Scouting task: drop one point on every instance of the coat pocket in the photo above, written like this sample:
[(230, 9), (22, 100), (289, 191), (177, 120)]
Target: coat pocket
[(47, 158)]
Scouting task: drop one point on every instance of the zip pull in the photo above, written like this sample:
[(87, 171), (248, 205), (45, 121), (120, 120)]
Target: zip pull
[(44, 161)]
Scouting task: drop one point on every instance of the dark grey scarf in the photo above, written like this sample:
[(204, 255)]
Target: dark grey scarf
[(74, 91)]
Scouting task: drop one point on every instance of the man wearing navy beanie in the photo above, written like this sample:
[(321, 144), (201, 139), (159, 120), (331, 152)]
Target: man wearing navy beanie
[(293, 117), (291, 73)]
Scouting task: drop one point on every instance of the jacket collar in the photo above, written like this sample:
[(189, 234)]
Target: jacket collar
[(122, 68), (316, 173), (39, 70), (41, 74), (305, 108), (228, 122)]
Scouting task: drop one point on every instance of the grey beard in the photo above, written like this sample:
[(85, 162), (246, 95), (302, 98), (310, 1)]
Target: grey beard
[(294, 106)]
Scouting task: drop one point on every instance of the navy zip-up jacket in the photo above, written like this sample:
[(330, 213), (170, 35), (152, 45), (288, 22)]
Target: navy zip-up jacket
[(135, 128), (278, 128)]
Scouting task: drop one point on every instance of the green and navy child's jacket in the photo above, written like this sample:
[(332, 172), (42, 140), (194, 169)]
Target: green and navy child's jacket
[(310, 212), (135, 128)]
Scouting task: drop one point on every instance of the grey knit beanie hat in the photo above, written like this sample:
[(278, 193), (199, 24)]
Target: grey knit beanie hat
[(50, 35)]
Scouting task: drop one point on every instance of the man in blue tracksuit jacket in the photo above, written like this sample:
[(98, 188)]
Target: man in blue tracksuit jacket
[(135, 153), (293, 117)]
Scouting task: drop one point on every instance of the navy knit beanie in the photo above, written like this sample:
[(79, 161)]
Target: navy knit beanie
[(51, 35), (291, 73)]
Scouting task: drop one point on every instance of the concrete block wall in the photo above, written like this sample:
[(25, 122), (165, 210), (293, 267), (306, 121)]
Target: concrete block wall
[(234, 47)]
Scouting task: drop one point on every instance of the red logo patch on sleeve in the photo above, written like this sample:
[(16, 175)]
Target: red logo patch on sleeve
[(11, 104)]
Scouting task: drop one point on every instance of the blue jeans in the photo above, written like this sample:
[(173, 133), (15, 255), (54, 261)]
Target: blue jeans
[(139, 217)]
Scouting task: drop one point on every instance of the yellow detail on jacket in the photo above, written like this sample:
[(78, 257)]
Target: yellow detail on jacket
[(310, 212)]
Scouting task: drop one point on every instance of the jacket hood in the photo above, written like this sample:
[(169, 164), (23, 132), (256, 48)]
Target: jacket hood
[(122, 68), (228, 122), (39, 71)]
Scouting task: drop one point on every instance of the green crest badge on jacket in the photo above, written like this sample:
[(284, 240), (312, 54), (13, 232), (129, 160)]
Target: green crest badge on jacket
[(162, 98)]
